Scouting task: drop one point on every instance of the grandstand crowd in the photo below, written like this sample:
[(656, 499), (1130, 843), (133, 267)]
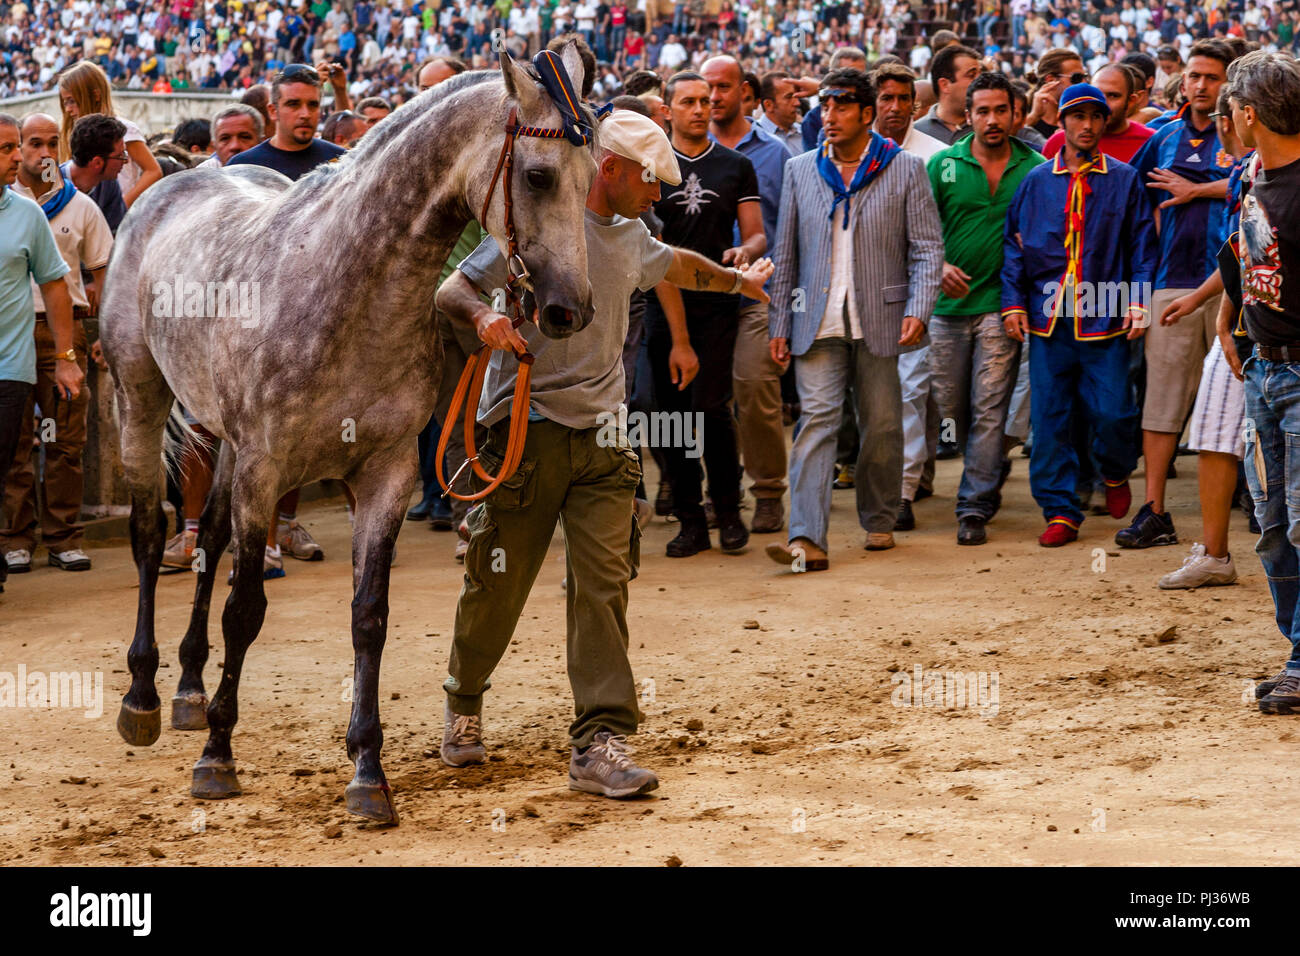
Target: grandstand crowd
[(170, 45)]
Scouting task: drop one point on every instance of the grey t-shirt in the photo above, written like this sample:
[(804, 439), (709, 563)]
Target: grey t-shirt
[(579, 377)]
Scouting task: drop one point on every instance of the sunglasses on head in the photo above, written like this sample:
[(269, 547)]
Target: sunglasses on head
[(299, 71)]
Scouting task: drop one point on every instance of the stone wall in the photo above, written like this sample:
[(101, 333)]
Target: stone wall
[(152, 112)]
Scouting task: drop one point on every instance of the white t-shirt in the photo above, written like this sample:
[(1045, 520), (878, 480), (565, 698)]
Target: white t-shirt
[(586, 14), (83, 237), (130, 170)]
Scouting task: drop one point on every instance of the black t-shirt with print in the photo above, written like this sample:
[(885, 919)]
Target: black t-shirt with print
[(700, 213), (1270, 250)]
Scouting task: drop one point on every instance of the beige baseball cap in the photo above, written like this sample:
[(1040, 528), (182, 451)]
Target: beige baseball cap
[(640, 139)]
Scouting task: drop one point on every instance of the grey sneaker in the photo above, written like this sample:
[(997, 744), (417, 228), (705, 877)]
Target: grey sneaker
[(607, 769), (1200, 569), (298, 543), (462, 739), (1265, 687), (72, 559), (19, 560), (1284, 698)]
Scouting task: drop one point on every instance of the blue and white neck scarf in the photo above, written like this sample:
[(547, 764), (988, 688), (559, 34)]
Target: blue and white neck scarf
[(880, 152)]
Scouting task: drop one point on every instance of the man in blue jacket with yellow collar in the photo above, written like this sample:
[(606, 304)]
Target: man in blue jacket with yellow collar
[(1079, 252)]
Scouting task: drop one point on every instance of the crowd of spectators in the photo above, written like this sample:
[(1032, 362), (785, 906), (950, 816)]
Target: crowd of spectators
[(170, 45)]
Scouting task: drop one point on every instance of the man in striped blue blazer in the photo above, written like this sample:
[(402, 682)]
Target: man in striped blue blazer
[(859, 258)]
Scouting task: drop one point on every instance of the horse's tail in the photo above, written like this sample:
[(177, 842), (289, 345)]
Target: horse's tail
[(176, 436)]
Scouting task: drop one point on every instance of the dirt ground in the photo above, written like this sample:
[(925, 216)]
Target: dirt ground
[(770, 702)]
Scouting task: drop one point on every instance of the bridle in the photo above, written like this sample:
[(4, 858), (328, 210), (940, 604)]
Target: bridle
[(470, 387)]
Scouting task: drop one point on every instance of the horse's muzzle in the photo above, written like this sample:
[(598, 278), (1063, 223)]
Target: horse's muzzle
[(559, 320)]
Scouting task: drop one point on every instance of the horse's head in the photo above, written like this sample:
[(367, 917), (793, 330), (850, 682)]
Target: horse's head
[(551, 178)]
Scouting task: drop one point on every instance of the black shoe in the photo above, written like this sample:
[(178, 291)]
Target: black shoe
[(1265, 687), (732, 533), (906, 521), (691, 539), (420, 512), (970, 530), (664, 500), (947, 450), (922, 494), (1148, 530), (1284, 698)]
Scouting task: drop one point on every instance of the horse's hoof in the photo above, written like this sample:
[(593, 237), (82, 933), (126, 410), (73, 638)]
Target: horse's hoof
[(371, 801), (139, 728), (215, 781), (190, 712)]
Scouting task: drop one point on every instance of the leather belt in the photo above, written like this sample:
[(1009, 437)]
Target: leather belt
[(1280, 353), (78, 312)]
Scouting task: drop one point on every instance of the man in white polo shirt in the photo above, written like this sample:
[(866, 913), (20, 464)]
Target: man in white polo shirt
[(84, 241), (27, 252)]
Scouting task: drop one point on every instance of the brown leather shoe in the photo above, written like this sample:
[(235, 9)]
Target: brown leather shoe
[(879, 541), (799, 555), (769, 516)]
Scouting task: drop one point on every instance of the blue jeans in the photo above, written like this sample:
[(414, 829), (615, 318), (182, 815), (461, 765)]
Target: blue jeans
[(1065, 375), (823, 374), (1017, 31), (975, 365), (1273, 445)]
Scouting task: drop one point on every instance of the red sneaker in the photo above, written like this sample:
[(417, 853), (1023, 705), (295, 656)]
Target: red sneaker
[(1119, 498), (1059, 531)]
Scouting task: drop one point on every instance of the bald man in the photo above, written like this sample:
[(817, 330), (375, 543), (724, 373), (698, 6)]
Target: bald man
[(756, 378), (438, 69), (1122, 138), (84, 241)]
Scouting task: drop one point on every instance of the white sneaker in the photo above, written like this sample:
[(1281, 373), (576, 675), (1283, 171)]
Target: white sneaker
[(73, 559), (1200, 570), (19, 561)]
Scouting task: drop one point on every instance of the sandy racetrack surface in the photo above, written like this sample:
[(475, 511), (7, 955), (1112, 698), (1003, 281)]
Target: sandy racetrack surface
[(770, 703)]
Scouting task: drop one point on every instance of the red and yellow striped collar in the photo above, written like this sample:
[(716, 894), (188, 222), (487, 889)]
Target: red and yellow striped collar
[(1058, 163)]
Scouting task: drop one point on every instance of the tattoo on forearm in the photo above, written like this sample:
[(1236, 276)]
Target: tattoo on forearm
[(703, 280)]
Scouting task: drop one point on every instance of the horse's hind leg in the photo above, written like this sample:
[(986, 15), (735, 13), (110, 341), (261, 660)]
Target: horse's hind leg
[(190, 705), (254, 489), (383, 488), (143, 410)]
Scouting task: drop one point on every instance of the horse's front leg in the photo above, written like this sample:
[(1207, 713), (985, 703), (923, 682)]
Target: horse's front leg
[(383, 489)]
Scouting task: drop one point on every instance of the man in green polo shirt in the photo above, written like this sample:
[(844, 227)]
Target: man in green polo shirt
[(27, 253), (973, 358)]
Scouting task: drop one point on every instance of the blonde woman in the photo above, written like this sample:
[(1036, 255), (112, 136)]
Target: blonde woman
[(84, 89)]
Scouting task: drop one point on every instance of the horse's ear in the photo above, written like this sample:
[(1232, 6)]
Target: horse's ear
[(573, 66), (519, 85)]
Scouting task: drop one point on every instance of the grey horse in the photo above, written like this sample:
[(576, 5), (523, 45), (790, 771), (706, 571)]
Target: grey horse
[(327, 369)]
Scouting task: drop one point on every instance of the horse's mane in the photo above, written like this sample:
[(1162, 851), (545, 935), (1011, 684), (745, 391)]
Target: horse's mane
[(400, 119)]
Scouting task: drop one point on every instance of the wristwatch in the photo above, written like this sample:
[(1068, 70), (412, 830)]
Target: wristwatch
[(740, 281), (69, 356)]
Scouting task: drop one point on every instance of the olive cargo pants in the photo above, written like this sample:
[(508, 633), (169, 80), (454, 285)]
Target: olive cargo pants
[(567, 476)]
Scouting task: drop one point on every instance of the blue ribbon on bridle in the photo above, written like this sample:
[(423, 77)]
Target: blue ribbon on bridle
[(550, 70)]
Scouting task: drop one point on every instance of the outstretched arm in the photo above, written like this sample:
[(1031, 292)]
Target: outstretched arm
[(690, 270)]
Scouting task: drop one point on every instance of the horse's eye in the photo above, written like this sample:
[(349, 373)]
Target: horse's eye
[(541, 178)]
